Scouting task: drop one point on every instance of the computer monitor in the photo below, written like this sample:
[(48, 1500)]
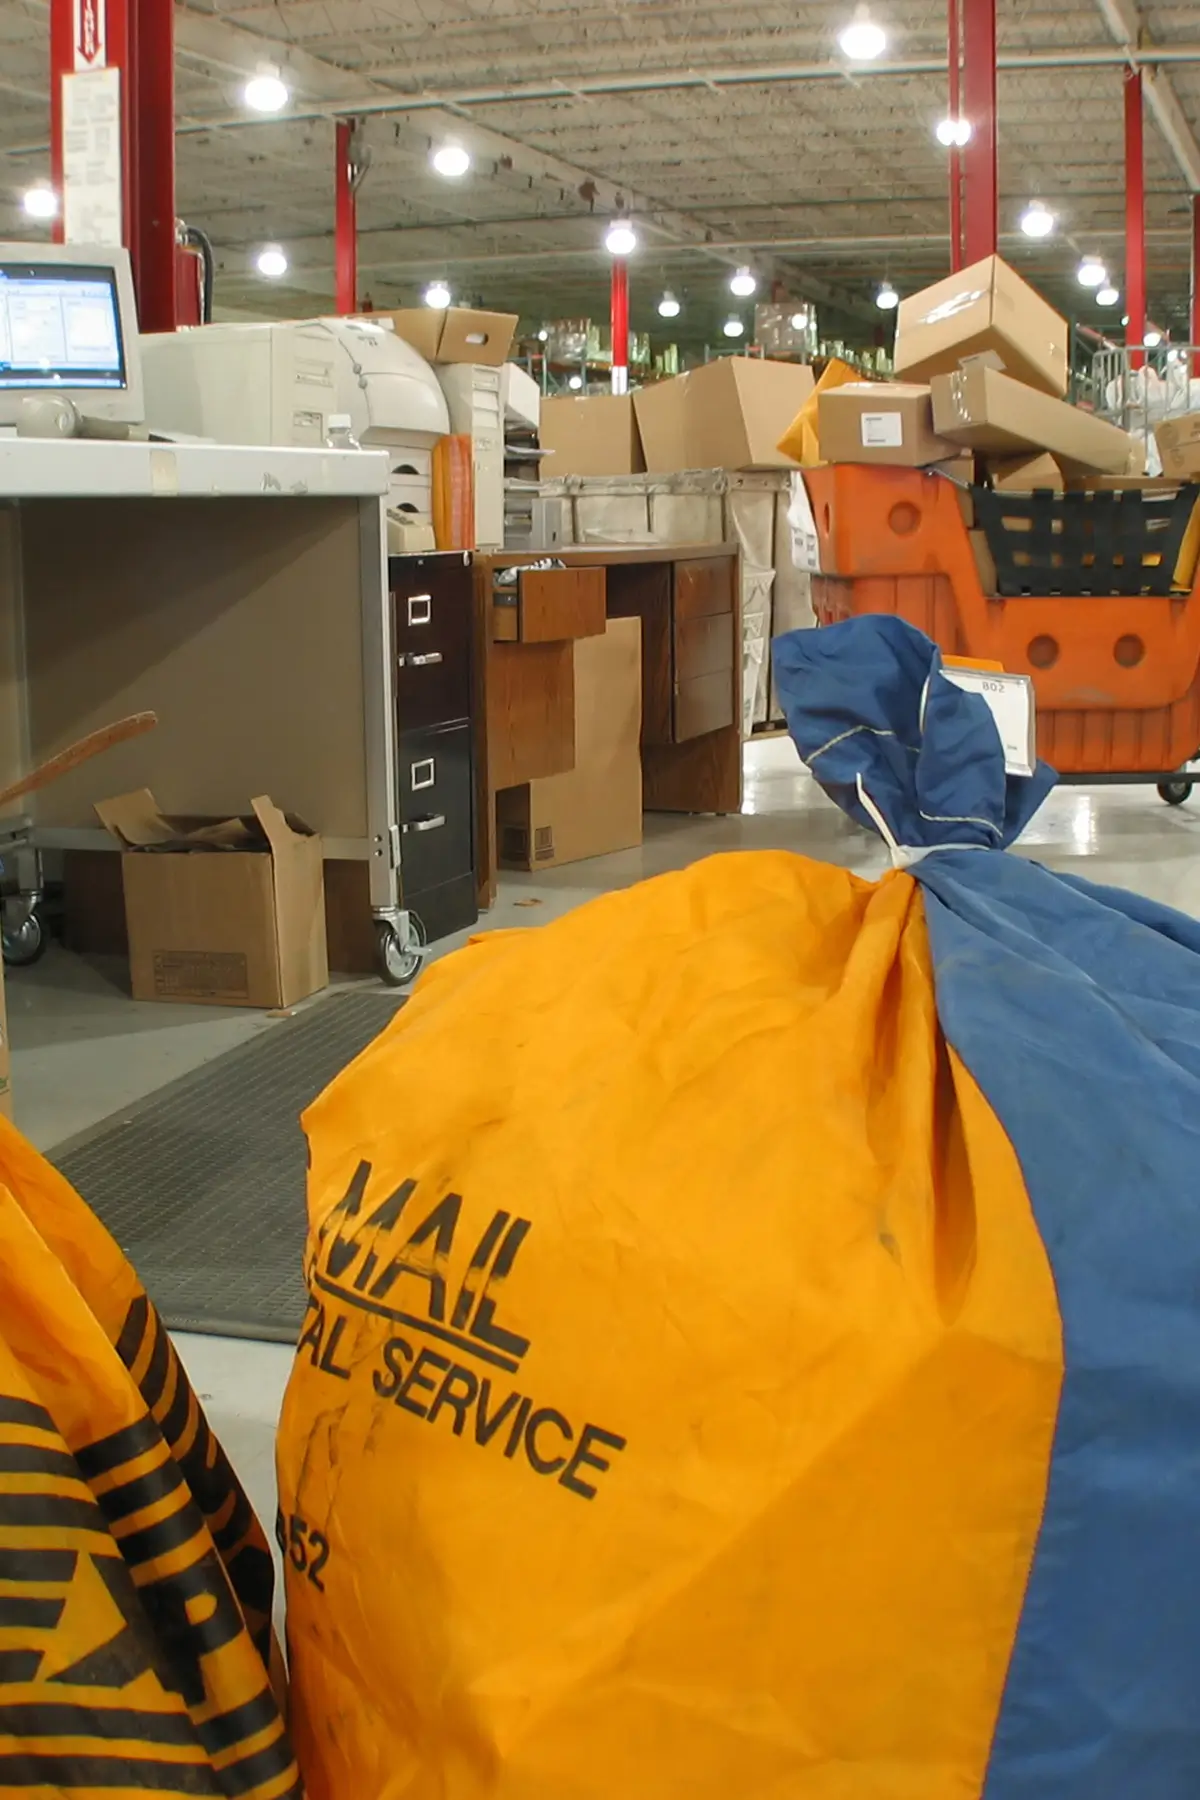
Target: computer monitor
[(68, 326)]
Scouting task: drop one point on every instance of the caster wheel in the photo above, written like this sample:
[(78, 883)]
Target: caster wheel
[(26, 944), (1174, 792), (398, 963)]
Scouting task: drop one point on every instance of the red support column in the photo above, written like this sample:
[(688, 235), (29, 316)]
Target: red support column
[(345, 220), (150, 110), (954, 63), (981, 195), (1135, 212), (620, 325)]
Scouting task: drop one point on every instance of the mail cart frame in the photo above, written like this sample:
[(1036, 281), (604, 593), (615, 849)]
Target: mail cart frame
[(242, 594)]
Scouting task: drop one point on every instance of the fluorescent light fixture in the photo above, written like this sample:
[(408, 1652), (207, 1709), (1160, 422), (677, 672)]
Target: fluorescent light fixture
[(451, 160), (1091, 273), (40, 201), (620, 239), (743, 282), (953, 132), (271, 262), (733, 327), (1152, 338), (575, 383), (799, 321), (1037, 221), (543, 336), (887, 299), (1107, 296), (863, 40), (266, 92), (669, 307), (437, 295)]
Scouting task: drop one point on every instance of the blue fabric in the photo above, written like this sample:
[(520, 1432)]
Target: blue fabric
[(1077, 1010)]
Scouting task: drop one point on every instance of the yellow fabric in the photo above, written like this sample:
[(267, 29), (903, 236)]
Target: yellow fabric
[(127, 1665), (775, 1245), (801, 441), (1189, 553)]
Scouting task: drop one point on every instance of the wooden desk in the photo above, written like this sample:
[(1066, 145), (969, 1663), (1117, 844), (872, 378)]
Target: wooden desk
[(688, 600)]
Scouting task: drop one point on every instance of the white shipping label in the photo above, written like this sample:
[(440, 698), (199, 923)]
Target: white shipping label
[(1010, 698), (883, 431)]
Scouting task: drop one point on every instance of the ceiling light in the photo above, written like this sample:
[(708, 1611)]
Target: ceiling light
[(733, 327), (1091, 273), (266, 92), (1037, 221), (799, 321), (887, 299), (1107, 296), (451, 160), (437, 295), (743, 282), (271, 262), (41, 201), (863, 40), (953, 132), (575, 383), (669, 307), (620, 239), (1152, 338), (543, 336)]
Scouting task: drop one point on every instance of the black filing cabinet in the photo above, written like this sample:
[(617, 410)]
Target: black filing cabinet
[(432, 603)]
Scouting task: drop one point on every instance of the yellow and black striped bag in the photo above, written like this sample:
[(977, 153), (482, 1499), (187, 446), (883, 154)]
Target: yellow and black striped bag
[(135, 1581)]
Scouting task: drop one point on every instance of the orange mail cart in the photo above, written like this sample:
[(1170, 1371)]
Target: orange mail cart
[(1116, 673)]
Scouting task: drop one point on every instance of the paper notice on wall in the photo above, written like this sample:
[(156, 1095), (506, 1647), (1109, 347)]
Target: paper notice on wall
[(806, 546), (92, 199)]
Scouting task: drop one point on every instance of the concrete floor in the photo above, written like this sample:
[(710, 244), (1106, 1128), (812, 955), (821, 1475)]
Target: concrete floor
[(82, 1049)]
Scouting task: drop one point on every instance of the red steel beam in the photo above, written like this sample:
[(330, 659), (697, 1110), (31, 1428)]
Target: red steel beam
[(149, 108), (954, 50), (345, 220), (1135, 211), (980, 185), (620, 325)]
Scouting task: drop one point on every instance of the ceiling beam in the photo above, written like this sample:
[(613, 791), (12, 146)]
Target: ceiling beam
[(1128, 29)]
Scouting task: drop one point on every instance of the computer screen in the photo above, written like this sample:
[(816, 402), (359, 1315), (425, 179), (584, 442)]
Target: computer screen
[(60, 327)]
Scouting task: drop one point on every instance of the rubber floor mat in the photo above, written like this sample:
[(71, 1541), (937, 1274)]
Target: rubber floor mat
[(202, 1183)]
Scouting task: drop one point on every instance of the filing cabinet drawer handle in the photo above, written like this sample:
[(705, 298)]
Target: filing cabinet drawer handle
[(434, 822), (420, 609), (422, 774), (420, 662)]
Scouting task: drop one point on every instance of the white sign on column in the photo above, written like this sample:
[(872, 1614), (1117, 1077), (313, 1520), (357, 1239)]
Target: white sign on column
[(91, 136)]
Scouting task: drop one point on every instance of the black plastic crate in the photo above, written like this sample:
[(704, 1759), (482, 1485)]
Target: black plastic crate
[(1103, 541)]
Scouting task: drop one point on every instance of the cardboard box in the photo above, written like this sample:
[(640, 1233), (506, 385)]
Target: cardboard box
[(5, 1054), (989, 312), (597, 807), (985, 562), (961, 471), (984, 410), (590, 434), (1178, 443), (880, 422), (228, 913), (1024, 474), (456, 334), (730, 414)]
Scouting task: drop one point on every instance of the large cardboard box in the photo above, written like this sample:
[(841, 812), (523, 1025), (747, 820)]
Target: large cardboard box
[(590, 434), (989, 312), (984, 410), (729, 414), (228, 913), (1178, 443), (880, 422), (456, 334), (1026, 474), (597, 807)]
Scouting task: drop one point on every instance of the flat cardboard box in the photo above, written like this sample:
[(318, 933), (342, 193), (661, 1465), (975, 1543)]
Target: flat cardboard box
[(590, 434), (880, 422), (228, 913), (597, 807), (983, 410), (961, 471), (1026, 474), (1178, 443), (985, 562), (988, 312), (729, 414), (456, 334)]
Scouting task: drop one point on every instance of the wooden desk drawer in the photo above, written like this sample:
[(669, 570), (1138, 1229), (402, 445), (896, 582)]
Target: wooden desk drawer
[(704, 587), (549, 606), (703, 704), (704, 654), (531, 712), (703, 646)]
